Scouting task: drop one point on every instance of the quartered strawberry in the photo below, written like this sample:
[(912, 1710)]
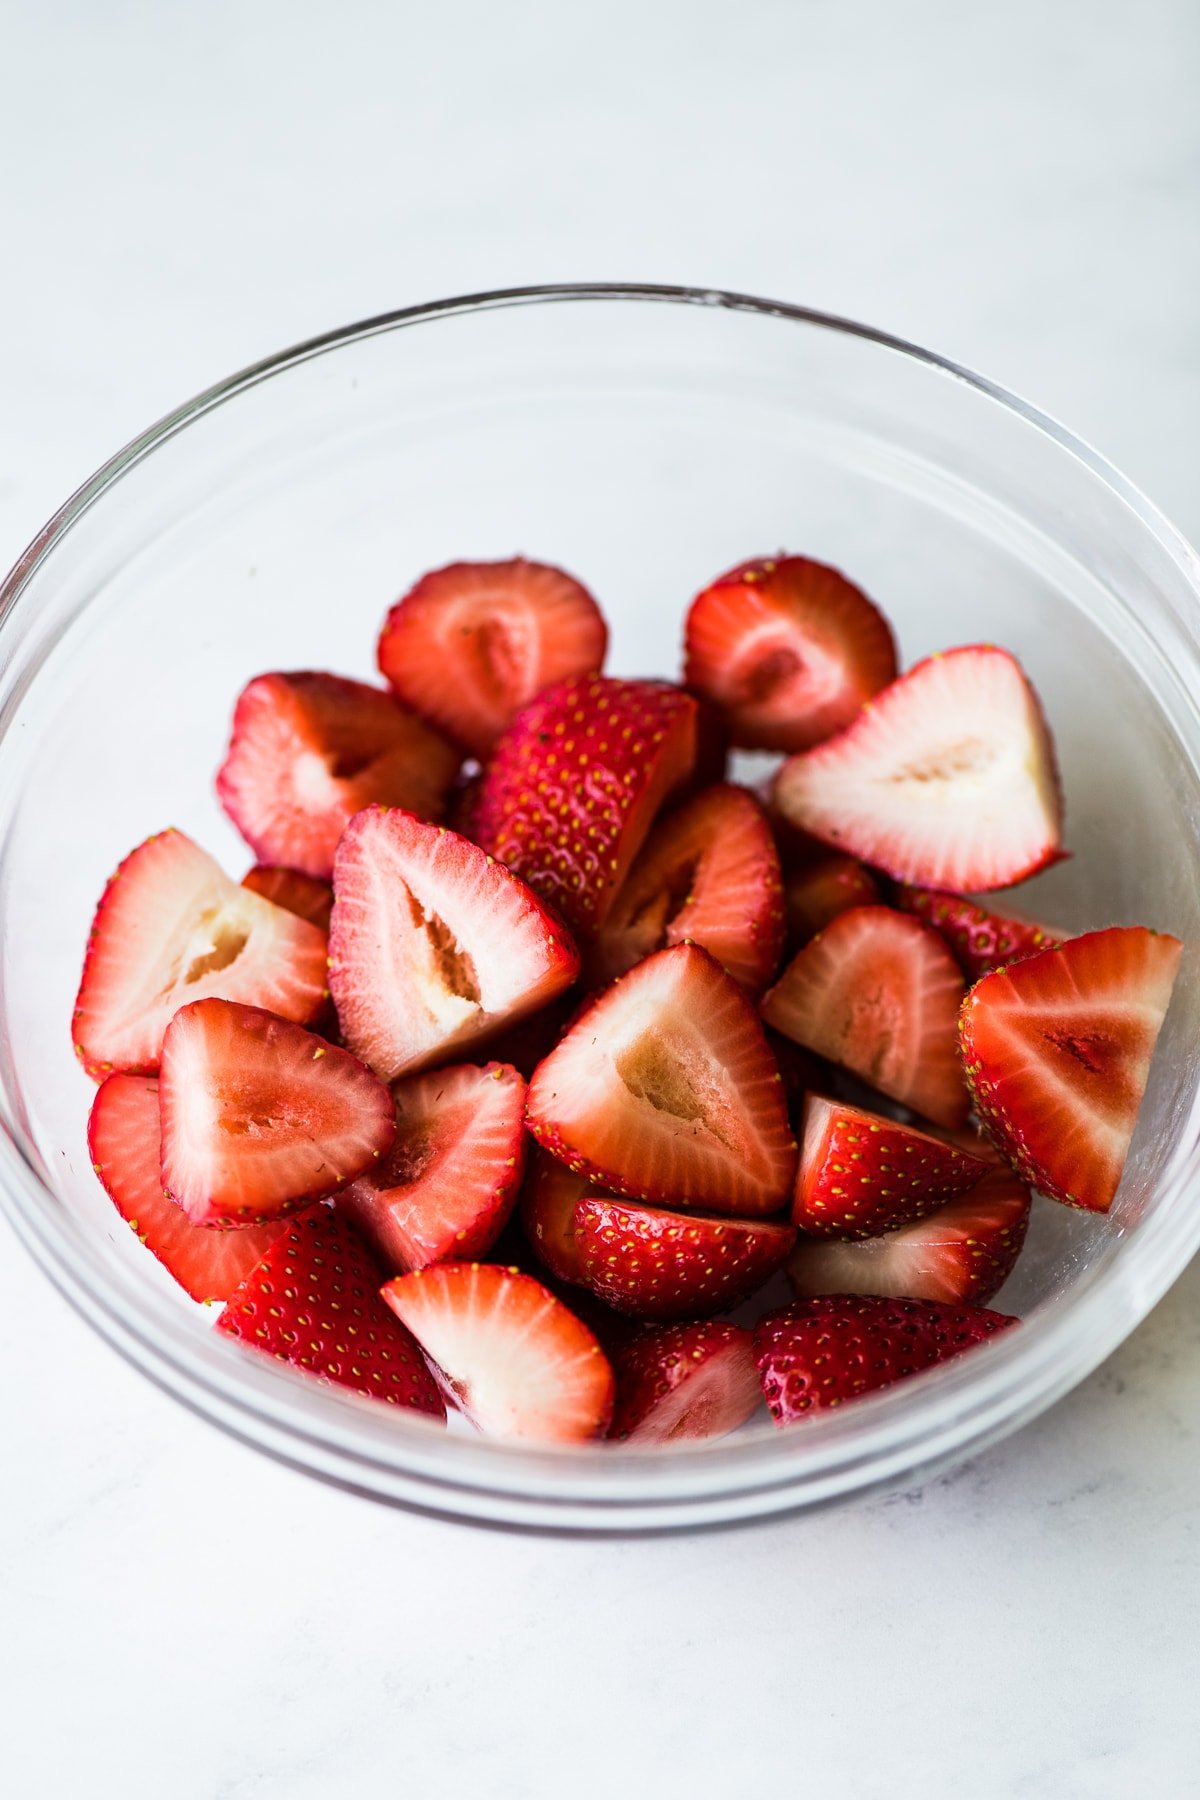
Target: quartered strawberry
[(861, 1174), (301, 894), (309, 750), (664, 1089), (123, 1142), (172, 927), (684, 1382), (1057, 1051), (313, 1301), (946, 779), (981, 939), (788, 649), (708, 873), (450, 1181), (964, 1251), (668, 1265), (878, 992), (816, 894), (514, 1359), (547, 1213), (471, 644), (259, 1116), (820, 1353), (574, 783)]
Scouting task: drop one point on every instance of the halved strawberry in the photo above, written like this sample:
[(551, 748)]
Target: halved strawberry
[(433, 944), (664, 1089), (667, 1265), (946, 779), (1057, 1051), (815, 895), (820, 1353), (172, 927), (879, 992), (789, 649), (981, 939), (309, 750), (313, 1301), (259, 1117), (123, 1142), (471, 644), (547, 1213), (514, 1359), (450, 1181), (684, 1382), (964, 1251), (573, 786), (301, 894), (861, 1174)]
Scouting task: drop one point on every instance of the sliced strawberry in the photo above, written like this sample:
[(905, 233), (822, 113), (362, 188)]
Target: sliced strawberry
[(301, 894), (433, 944), (514, 1359), (313, 1301), (664, 1089), (259, 1116), (172, 927), (547, 1211), (575, 782), (310, 750), (965, 1251), (820, 1353), (876, 991), (947, 779), (982, 940), (668, 1265), (684, 1382), (448, 1185), (1057, 1051), (815, 895), (123, 1140), (861, 1174), (471, 644), (789, 649)]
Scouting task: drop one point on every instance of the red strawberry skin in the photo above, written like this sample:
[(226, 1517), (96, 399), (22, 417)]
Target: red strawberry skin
[(665, 1265), (819, 1354), (313, 1302), (861, 1174), (547, 1213), (981, 939), (813, 896), (680, 1383), (302, 895)]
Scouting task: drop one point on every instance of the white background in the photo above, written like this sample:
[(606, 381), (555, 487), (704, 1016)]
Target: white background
[(184, 188)]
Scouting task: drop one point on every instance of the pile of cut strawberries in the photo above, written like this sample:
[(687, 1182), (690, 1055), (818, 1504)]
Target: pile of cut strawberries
[(531, 1048)]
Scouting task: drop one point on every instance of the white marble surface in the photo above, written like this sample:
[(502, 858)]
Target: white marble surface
[(184, 188)]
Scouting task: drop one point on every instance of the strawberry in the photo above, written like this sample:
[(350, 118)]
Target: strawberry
[(861, 1174), (668, 1265), (450, 1181), (573, 786), (982, 940), (820, 1353), (313, 1301), (172, 927), (301, 894), (683, 1382), (946, 779), (525, 1043), (877, 991), (310, 750), (471, 644), (514, 1359), (433, 944), (547, 1212), (259, 1116), (1057, 1051), (708, 872), (664, 1089), (965, 1251), (816, 894), (123, 1141), (789, 649)]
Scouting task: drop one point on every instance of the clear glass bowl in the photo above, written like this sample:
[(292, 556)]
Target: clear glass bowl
[(646, 438)]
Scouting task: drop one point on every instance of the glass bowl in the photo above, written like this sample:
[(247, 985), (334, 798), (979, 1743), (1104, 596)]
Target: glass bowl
[(645, 438)]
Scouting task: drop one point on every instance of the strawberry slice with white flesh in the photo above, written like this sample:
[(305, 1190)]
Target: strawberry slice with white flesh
[(301, 894), (878, 992), (680, 1383), (471, 644), (511, 1357), (172, 927), (449, 1183), (946, 779), (1057, 1050), (981, 938), (664, 1089), (655, 1264), (259, 1117), (861, 1174), (433, 944)]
